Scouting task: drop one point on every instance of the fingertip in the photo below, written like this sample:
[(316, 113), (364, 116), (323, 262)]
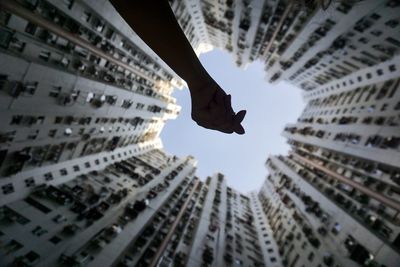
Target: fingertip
[(239, 130), (240, 116)]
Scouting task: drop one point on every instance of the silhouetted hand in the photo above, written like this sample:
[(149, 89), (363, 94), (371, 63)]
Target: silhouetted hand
[(212, 109), (211, 106)]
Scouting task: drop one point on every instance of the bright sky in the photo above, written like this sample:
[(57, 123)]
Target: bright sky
[(240, 157)]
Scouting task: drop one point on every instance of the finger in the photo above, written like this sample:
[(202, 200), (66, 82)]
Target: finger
[(238, 128), (240, 116)]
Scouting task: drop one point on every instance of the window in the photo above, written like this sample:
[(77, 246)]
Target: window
[(15, 216), (45, 55), (30, 28), (39, 206), (375, 16), (63, 172), (12, 246), (18, 45), (392, 23), (39, 231), (6, 36), (311, 256), (55, 91), (86, 16), (29, 182), (298, 237), (209, 237), (48, 176), (69, 3), (376, 33), (58, 120), (52, 133), (32, 256), (30, 87), (393, 41), (7, 189), (55, 240)]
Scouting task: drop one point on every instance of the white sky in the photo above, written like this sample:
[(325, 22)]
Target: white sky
[(240, 157)]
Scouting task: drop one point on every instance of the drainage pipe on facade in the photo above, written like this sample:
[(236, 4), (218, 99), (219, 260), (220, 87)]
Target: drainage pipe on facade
[(171, 231), (282, 19), (15, 8), (379, 197)]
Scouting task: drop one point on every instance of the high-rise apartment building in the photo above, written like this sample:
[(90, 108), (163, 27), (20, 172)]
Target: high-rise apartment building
[(314, 46), (325, 216), (99, 218), (307, 43), (226, 232), (148, 210), (340, 186), (191, 19), (335, 200), (79, 90), (238, 27)]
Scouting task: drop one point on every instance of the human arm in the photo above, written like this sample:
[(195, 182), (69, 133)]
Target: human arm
[(155, 23)]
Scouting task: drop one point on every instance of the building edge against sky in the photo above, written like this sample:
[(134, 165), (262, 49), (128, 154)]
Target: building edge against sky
[(89, 182), (335, 199)]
